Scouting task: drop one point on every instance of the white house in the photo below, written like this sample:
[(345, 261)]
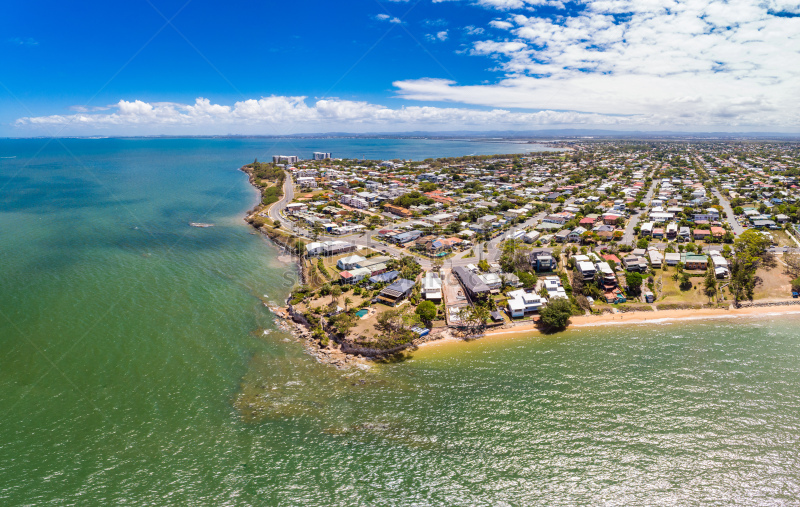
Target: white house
[(521, 302), (307, 182), (432, 286), (350, 262)]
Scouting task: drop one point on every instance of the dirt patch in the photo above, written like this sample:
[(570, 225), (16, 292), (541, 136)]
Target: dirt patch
[(773, 283)]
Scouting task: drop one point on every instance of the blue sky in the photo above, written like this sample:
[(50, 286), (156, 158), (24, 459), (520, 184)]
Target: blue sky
[(201, 67)]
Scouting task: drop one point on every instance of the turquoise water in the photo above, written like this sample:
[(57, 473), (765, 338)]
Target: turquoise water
[(138, 365), (361, 313)]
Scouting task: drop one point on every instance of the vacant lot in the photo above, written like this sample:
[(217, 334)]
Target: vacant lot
[(774, 283), (672, 293)]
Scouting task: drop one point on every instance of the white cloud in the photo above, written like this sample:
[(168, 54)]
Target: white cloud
[(289, 113), (87, 109), (386, 17), (439, 36), (23, 41), (471, 30), (670, 62), (503, 25), (505, 5)]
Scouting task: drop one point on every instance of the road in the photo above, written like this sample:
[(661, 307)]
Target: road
[(726, 205), (276, 210), (365, 239), (629, 235)]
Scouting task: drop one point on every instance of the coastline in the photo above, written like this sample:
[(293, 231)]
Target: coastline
[(637, 318), (335, 356)]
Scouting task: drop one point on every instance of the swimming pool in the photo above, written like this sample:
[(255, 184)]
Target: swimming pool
[(362, 312)]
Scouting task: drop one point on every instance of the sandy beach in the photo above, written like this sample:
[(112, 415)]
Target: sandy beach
[(659, 317)]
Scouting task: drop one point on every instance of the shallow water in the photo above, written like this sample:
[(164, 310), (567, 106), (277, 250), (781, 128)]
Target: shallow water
[(139, 365)]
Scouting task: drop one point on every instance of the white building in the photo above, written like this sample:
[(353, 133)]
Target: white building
[(354, 201), (521, 302), (295, 207), (284, 159), (432, 286), (350, 262), (321, 155), (307, 182)]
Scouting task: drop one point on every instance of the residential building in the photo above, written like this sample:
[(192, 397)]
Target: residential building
[(397, 210), (542, 261), (521, 302), (306, 181), (587, 270), (472, 283), (354, 275), (576, 236), (349, 262), (396, 292), (635, 263), (432, 286), (284, 159), (672, 258), (694, 261)]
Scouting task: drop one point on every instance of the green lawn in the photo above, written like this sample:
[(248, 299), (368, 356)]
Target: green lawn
[(672, 293)]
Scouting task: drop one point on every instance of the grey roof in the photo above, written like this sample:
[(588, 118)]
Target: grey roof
[(398, 289), (384, 277), (471, 281)]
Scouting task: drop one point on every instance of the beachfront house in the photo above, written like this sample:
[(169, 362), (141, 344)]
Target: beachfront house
[(672, 258), (329, 248), (432, 286), (587, 270), (695, 261), (349, 262), (521, 302), (396, 292), (635, 263), (472, 283), (354, 275)]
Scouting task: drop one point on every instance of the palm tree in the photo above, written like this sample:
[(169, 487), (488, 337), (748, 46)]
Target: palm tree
[(347, 302), (336, 291)]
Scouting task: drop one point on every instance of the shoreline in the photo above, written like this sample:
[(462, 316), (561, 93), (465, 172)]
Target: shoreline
[(333, 355), (636, 318)]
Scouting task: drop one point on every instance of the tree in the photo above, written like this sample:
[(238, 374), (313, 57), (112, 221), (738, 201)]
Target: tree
[(642, 243), (483, 265), (343, 323), (792, 261), (474, 316), (556, 314), (347, 303), (336, 291), (390, 321), (710, 284), (527, 279), (751, 247), (742, 282), (633, 280), (686, 282), (426, 311)]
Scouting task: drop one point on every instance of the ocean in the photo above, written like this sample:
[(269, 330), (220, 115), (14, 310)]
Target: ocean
[(138, 365)]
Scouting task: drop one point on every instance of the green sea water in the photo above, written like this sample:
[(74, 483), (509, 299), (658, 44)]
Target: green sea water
[(138, 365)]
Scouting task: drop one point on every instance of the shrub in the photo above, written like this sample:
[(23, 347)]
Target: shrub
[(557, 313)]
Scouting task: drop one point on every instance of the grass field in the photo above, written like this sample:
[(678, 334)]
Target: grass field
[(672, 293)]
